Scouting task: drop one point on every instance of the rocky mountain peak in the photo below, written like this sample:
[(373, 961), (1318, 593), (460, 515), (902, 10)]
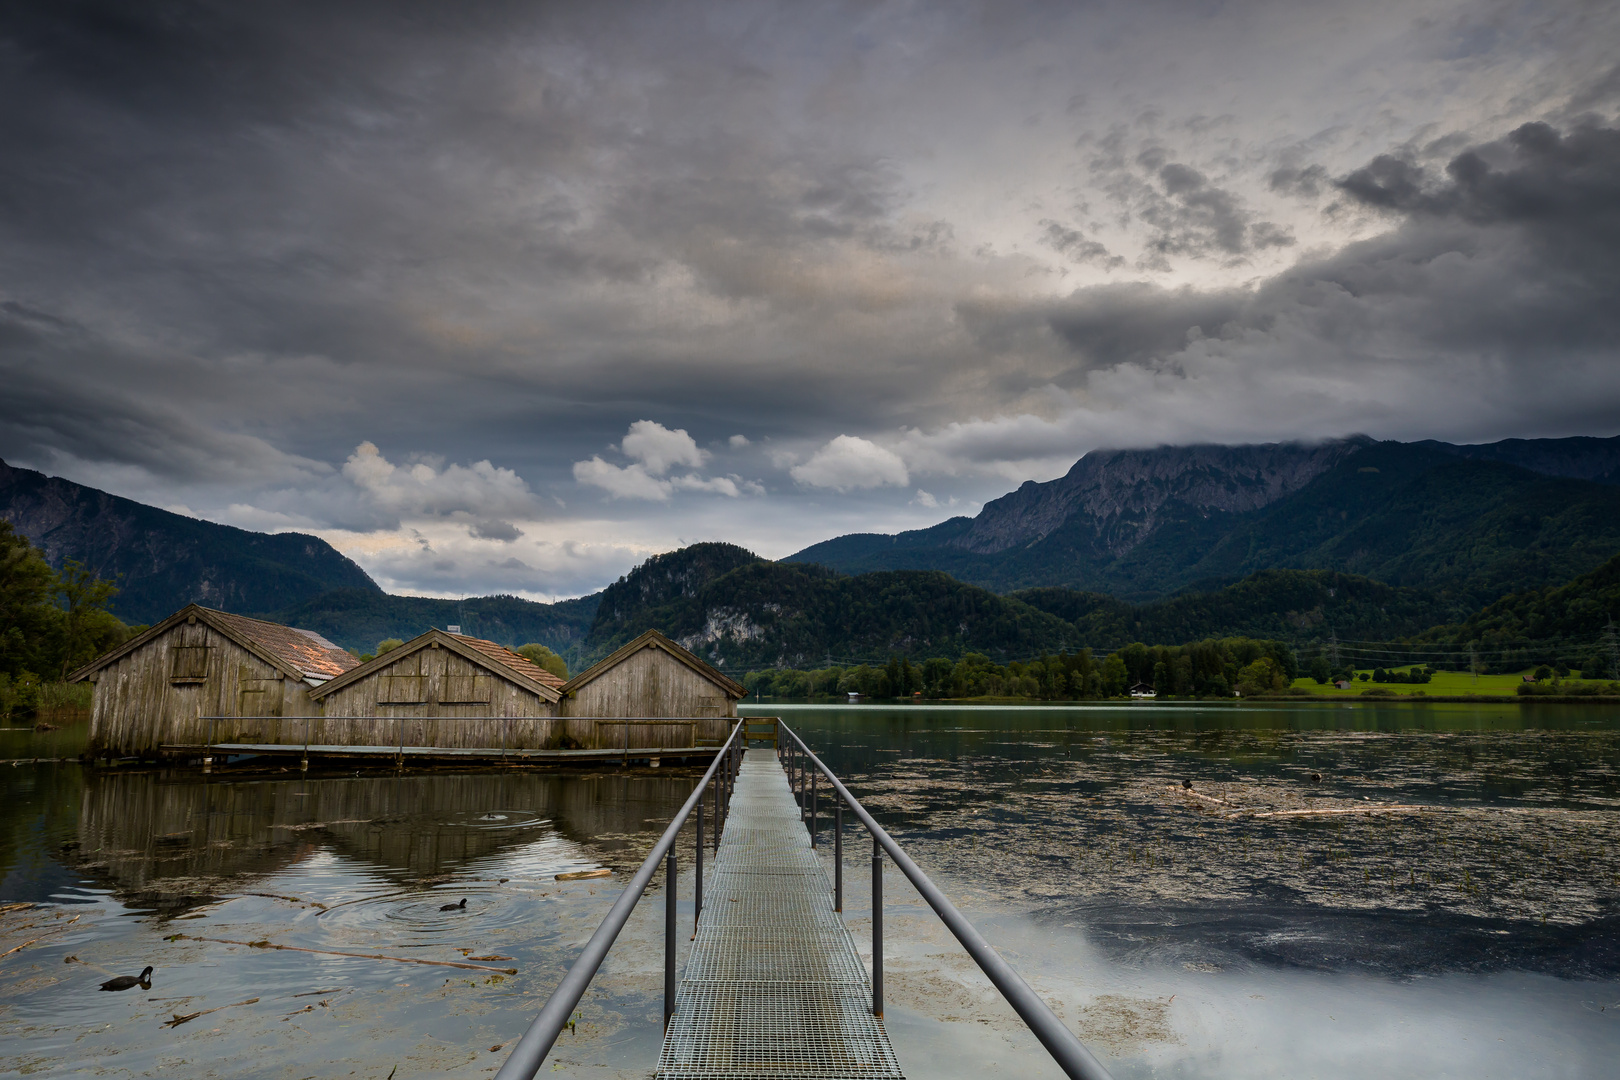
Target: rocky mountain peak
[(1120, 492)]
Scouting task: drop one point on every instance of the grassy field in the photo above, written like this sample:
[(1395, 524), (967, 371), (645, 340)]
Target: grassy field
[(1444, 684)]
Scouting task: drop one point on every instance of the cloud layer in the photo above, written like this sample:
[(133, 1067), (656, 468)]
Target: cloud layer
[(586, 282)]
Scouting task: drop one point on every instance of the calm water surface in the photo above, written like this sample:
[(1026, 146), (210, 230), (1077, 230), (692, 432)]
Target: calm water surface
[(1441, 900)]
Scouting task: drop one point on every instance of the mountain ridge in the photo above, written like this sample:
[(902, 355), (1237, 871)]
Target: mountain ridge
[(1475, 521), (163, 560)]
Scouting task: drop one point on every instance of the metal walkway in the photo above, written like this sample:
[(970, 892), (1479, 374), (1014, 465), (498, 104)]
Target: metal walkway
[(773, 985)]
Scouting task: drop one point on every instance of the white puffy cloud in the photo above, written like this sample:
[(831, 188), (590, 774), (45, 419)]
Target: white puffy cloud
[(739, 442), (656, 450), (659, 449), (627, 482), (850, 462), (480, 493)]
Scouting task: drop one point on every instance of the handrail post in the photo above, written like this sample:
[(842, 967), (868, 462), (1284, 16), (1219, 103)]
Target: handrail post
[(669, 938), (877, 928), (814, 776), (838, 856), (697, 893)]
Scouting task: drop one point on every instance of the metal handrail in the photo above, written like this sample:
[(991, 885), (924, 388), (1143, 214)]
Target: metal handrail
[(1067, 1050), (531, 1050)]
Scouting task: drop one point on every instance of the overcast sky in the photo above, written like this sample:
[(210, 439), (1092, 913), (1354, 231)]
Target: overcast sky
[(506, 298)]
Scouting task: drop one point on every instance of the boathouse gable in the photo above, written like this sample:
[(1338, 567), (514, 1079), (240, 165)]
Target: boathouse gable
[(162, 687), (652, 676), (444, 675)]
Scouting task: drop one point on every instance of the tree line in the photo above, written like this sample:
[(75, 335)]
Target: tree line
[(1215, 667), (51, 623)]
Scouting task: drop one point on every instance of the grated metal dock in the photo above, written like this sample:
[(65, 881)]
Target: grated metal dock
[(773, 985)]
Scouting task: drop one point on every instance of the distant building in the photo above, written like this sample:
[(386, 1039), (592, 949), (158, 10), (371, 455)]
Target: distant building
[(443, 675), (1342, 684), (156, 689), (1143, 690)]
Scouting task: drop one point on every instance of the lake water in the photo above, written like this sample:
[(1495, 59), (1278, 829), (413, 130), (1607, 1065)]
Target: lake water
[(1441, 899)]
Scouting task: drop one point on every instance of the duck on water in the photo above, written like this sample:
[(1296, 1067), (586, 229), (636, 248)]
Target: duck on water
[(454, 907), (126, 982)]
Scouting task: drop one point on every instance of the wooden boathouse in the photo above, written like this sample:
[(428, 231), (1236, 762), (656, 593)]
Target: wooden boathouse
[(443, 690), (157, 688), (205, 681), (650, 692)]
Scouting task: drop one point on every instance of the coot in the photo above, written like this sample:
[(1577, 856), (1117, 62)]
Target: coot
[(125, 982), (454, 907)]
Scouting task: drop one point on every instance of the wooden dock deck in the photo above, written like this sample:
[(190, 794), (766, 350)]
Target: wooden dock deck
[(774, 986)]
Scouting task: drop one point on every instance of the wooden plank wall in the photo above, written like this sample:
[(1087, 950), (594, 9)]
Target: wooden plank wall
[(650, 683), (160, 694), (155, 695), (433, 682)]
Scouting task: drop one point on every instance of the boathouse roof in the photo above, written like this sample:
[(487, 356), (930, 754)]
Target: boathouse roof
[(497, 659), (299, 654), (652, 639)]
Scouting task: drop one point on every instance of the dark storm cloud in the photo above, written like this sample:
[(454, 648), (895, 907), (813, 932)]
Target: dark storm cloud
[(398, 269), (1502, 272)]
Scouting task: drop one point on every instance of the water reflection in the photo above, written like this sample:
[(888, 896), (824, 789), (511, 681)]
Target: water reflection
[(1181, 934)]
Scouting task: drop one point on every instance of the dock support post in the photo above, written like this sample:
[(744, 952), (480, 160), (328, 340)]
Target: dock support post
[(303, 762), (669, 940), (697, 894), (838, 855), (877, 929), (814, 776)]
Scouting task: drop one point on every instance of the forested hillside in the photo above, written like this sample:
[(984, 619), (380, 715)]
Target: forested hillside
[(161, 561), (763, 614), (1577, 624), (1291, 605)]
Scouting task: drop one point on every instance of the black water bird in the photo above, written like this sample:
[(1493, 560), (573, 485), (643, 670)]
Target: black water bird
[(1316, 778), (454, 907), (1187, 785), (125, 982)]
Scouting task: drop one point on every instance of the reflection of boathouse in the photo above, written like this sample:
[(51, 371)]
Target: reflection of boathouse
[(157, 687)]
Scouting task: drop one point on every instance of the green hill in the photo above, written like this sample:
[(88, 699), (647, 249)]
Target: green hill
[(1569, 623), (764, 614), (1288, 605)]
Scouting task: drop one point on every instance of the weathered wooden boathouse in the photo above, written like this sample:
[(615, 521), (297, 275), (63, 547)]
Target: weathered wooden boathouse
[(159, 687), (677, 698), (443, 690), (203, 681)]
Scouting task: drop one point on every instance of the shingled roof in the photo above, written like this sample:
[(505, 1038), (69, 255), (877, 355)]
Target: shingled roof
[(497, 658), (303, 654), (516, 661)]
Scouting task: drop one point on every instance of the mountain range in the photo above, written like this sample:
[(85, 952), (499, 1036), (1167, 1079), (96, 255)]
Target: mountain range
[(1355, 538), (1469, 523)]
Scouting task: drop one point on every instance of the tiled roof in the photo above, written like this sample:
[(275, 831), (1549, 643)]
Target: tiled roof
[(303, 649), (516, 661)]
